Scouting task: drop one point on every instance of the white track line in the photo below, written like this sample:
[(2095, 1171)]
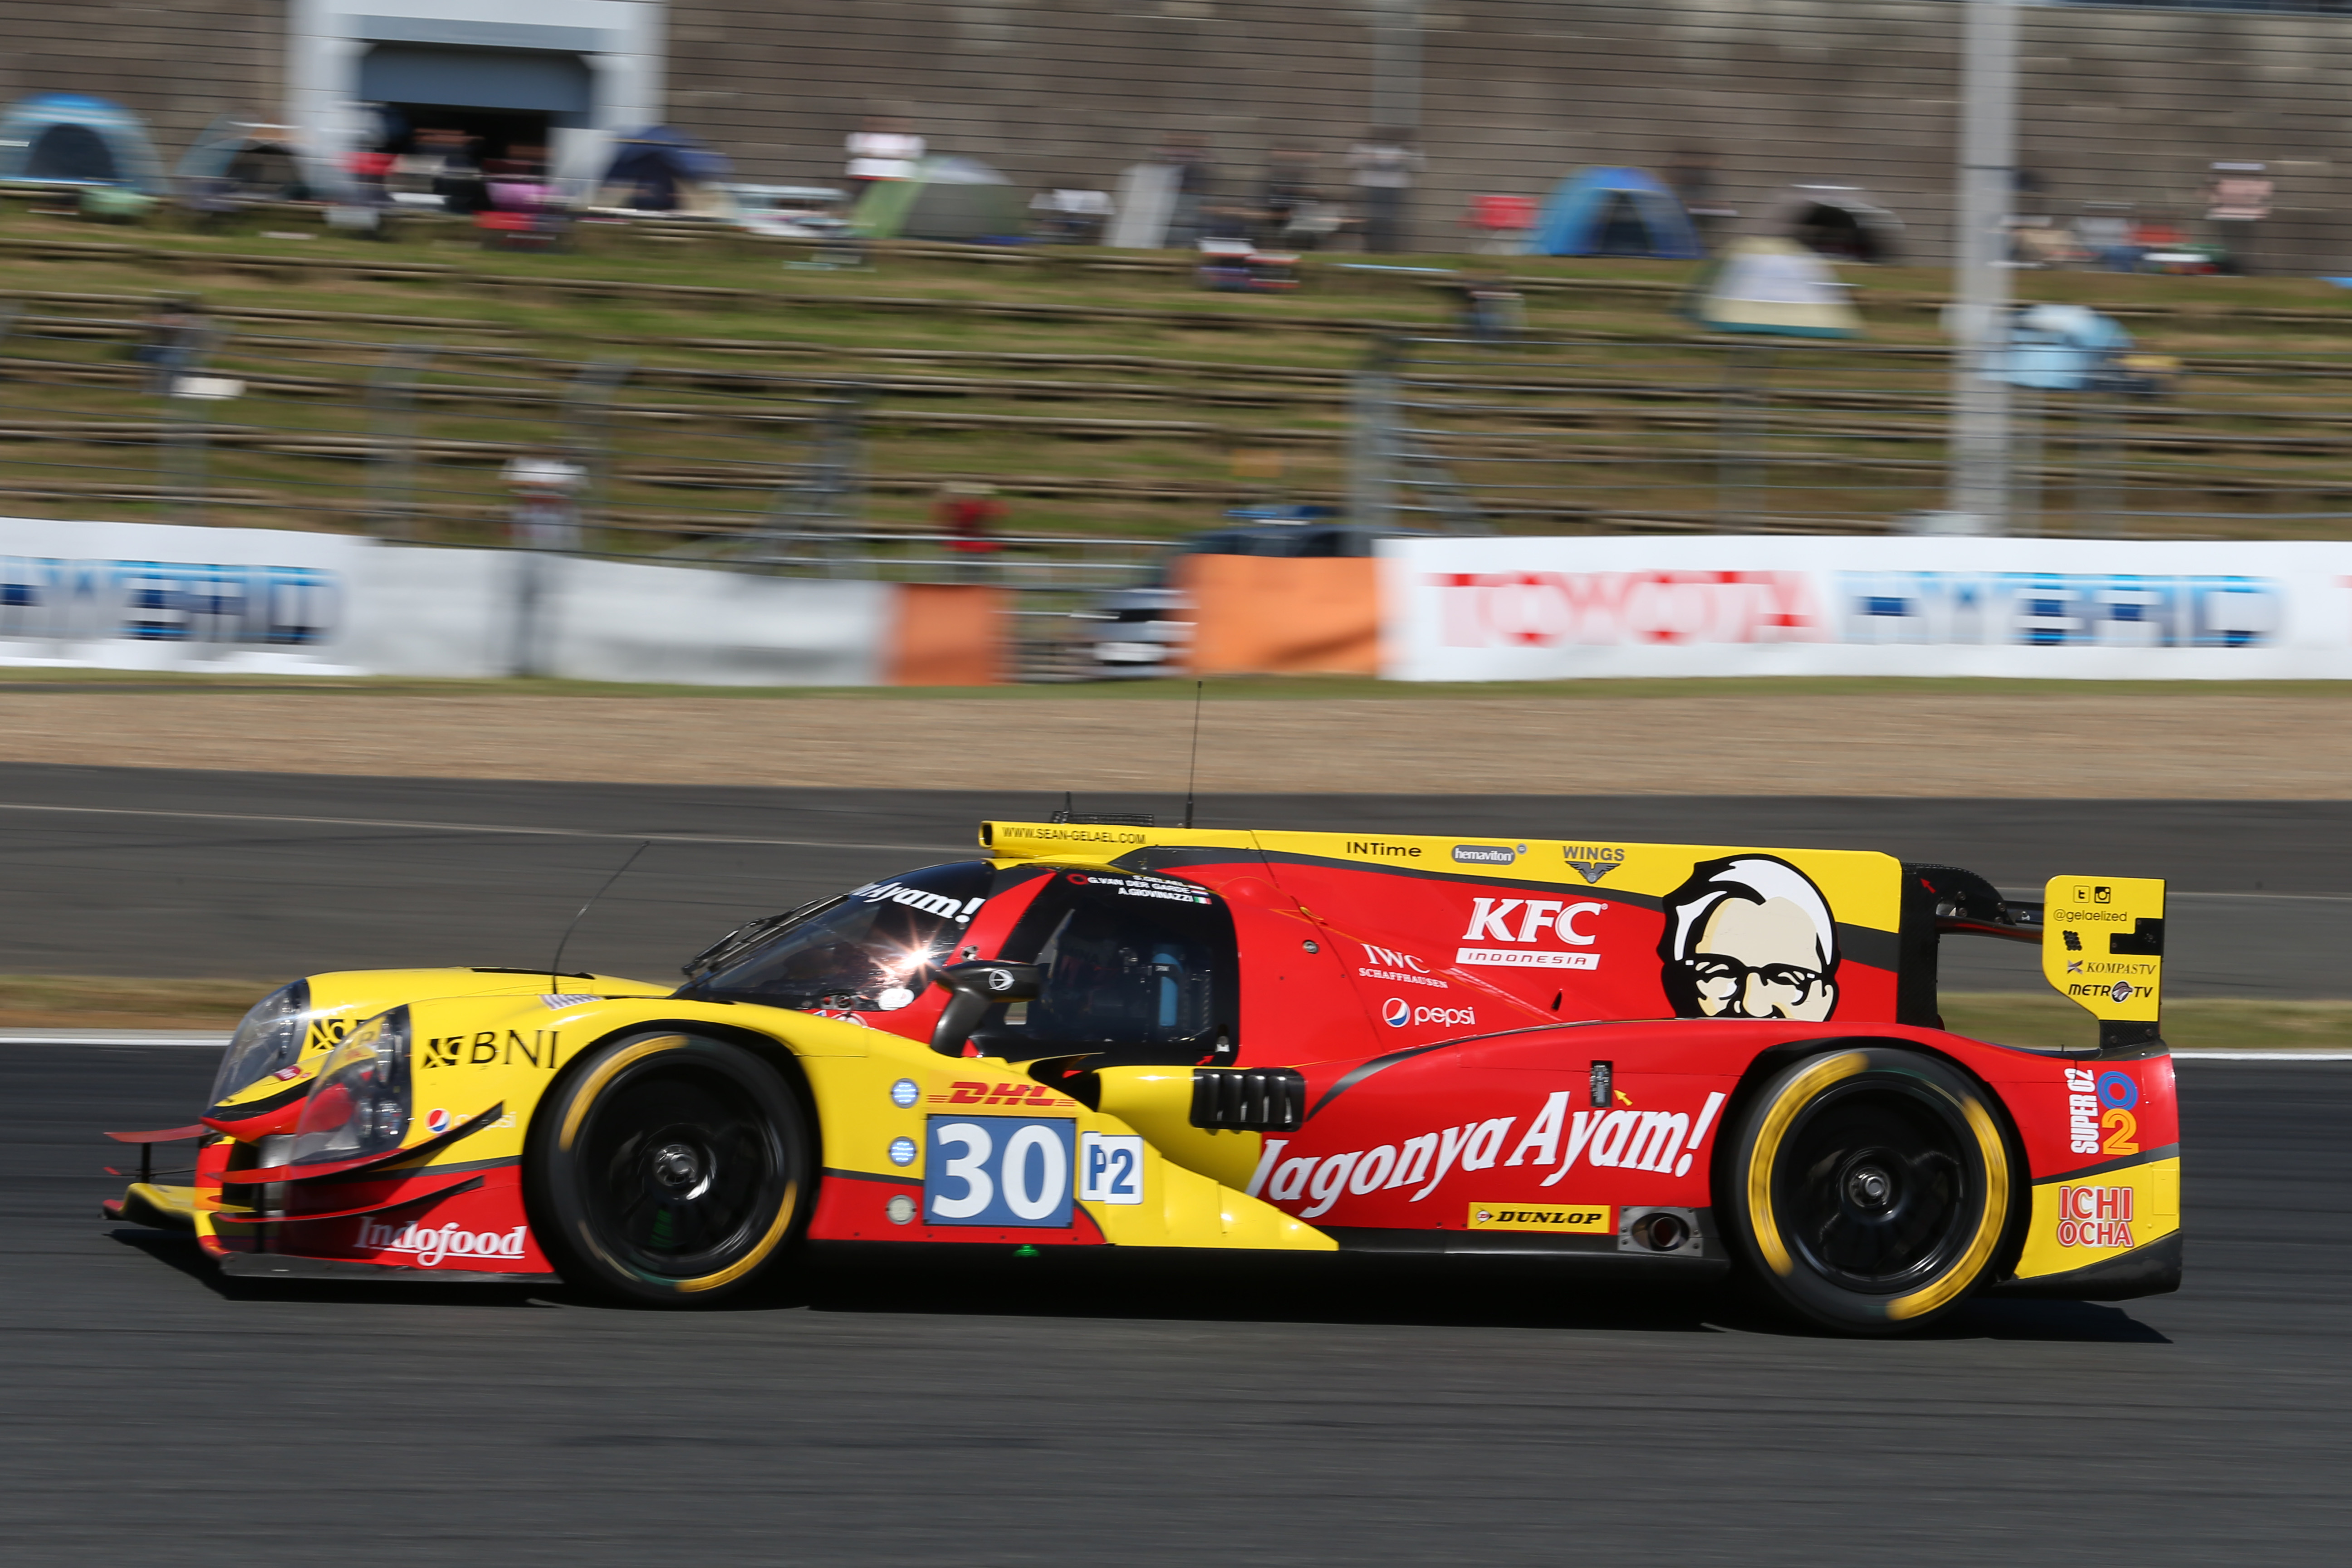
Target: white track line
[(2279, 1055), (188, 1039), (477, 827), (201, 1040)]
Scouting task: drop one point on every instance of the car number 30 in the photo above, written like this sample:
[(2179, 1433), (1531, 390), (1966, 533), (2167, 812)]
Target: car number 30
[(999, 1169)]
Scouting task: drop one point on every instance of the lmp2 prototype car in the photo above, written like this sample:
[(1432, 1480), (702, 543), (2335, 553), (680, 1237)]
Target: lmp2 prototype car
[(1631, 1060)]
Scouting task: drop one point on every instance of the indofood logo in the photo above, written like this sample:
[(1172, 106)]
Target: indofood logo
[(431, 1246)]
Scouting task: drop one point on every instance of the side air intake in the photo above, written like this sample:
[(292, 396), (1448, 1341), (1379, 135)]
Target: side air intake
[(1249, 1099)]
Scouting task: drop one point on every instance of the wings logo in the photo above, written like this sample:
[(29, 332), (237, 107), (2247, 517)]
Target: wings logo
[(1592, 861), (1396, 1013)]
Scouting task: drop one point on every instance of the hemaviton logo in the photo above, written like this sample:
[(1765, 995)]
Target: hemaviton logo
[(1485, 854)]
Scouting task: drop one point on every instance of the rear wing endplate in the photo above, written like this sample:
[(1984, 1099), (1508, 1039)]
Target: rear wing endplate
[(2103, 946)]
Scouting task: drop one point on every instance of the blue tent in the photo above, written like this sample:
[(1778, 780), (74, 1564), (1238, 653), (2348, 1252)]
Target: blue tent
[(652, 163), (72, 138), (2060, 348), (1614, 212)]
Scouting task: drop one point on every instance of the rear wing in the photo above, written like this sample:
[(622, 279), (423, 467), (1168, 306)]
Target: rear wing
[(2102, 941)]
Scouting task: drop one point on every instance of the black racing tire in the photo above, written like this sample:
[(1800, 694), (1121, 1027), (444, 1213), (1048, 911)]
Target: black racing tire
[(668, 1169), (1870, 1189)]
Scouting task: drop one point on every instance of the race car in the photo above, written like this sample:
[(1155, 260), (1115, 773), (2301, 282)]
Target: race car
[(1627, 1060)]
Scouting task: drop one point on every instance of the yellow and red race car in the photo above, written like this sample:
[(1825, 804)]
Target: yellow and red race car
[(1630, 1059)]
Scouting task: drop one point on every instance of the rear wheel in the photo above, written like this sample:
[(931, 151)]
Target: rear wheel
[(1871, 1188), (668, 1169)]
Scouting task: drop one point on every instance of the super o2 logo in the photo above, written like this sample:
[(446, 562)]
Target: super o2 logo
[(2118, 1091)]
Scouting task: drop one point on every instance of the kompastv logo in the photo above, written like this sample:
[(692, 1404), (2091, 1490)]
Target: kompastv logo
[(168, 602)]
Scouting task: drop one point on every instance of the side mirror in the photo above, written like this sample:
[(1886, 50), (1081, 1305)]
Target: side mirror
[(973, 988)]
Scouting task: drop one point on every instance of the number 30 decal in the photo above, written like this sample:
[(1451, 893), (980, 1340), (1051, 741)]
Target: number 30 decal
[(998, 1170)]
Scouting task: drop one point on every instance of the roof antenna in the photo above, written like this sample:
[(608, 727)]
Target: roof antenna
[(556, 967), (1193, 771)]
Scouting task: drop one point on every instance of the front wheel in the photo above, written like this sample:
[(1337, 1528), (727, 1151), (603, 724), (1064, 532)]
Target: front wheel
[(668, 1169), (1870, 1188)]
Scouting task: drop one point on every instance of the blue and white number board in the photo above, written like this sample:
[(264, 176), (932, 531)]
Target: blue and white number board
[(998, 1170)]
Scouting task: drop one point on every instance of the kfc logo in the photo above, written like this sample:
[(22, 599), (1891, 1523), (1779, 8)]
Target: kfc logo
[(1524, 923)]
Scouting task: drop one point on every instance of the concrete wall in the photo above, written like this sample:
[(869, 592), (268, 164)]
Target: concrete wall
[(2120, 104), (179, 66)]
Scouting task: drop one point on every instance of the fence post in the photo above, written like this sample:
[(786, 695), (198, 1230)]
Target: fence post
[(392, 439), (1371, 442), (827, 495), (587, 433), (185, 425), (1742, 435)]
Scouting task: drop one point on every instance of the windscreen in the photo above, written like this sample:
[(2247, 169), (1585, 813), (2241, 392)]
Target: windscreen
[(1135, 968), (876, 947)]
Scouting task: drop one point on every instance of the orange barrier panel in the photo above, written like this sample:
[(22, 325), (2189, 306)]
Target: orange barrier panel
[(946, 634), (1257, 615)]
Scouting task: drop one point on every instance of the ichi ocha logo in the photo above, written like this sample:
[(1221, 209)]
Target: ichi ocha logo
[(1396, 1013), (432, 1245)]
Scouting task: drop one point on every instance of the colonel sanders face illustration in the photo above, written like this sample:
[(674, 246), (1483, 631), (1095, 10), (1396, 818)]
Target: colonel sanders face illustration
[(1749, 937)]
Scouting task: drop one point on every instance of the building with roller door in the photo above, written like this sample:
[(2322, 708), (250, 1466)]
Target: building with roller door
[(2119, 103)]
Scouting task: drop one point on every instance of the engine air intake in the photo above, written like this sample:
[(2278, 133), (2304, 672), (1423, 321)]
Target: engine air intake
[(1254, 1099)]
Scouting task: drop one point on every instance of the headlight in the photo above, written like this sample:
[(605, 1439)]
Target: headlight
[(270, 1037), (359, 1103)]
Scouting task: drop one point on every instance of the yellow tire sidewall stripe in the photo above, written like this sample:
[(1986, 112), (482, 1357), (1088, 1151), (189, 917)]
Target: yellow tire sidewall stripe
[(1801, 1092), (585, 1095), (601, 1074)]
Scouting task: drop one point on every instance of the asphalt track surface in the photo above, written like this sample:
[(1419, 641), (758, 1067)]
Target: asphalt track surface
[(1097, 1410), (1070, 1412), (267, 876)]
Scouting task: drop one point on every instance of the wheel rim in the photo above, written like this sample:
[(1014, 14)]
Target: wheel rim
[(1877, 1188), (682, 1172)]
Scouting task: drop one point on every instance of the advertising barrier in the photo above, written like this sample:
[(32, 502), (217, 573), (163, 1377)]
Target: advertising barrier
[(1560, 608), (1271, 615), (119, 595)]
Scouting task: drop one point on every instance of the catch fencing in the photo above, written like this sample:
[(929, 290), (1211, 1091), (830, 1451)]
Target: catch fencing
[(1525, 435)]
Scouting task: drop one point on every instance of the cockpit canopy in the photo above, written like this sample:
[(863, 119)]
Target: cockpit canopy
[(1132, 967), (875, 947)]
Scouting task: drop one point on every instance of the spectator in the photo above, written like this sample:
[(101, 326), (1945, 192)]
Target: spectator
[(458, 179), (886, 148), (1385, 163), (1070, 215), (175, 331), (1194, 176), (1289, 189), (968, 514), (546, 489)]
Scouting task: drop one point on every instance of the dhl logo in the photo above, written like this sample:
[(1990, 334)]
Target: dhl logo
[(1028, 1096)]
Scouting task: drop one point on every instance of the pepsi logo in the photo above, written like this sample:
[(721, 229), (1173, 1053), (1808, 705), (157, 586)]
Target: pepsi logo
[(1395, 1013), (437, 1120)]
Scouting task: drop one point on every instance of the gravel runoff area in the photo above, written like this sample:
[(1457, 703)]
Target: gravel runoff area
[(2106, 743)]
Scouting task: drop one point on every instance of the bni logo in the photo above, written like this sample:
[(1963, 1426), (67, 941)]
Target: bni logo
[(1396, 1013)]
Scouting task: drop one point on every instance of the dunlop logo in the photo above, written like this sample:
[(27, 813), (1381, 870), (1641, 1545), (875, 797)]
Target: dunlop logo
[(1587, 1218)]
